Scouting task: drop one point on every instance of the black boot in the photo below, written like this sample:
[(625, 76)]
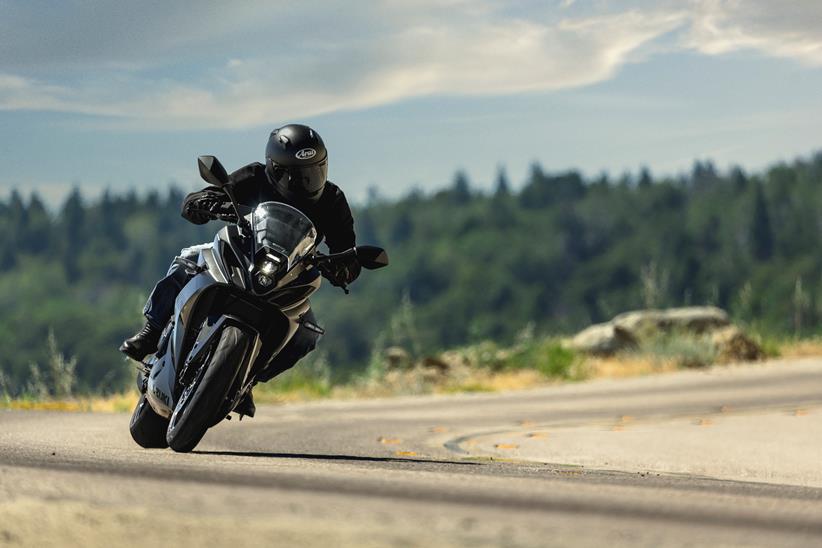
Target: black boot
[(246, 406), (143, 343)]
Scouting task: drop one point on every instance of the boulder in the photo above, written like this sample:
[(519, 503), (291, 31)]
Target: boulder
[(693, 319), (732, 345), (603, 339), (397, 357), (440, 363)]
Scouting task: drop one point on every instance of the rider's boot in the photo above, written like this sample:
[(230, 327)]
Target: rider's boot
[(246, 406), (143, 343)]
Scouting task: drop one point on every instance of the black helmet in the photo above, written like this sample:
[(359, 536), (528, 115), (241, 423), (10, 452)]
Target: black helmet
[(296, 162)]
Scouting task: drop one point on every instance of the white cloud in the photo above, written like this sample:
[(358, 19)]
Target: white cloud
[(287, 61), (781, 29)]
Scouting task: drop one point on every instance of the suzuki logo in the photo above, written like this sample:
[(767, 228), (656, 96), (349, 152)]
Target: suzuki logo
[(160, 395)]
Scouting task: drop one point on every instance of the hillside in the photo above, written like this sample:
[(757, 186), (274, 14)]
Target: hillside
[(559, 253)]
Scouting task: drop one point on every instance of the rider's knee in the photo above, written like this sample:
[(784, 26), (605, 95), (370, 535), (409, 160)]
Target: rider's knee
[(304, 341)]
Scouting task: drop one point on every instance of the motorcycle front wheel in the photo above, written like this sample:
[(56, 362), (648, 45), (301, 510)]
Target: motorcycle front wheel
[(203, 397)]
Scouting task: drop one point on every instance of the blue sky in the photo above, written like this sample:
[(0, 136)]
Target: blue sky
[(119, 95)]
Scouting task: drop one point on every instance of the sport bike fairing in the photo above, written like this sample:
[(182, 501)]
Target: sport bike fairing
[(249, 295)]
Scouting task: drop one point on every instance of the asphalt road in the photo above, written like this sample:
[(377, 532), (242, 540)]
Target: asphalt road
[(723, 457)]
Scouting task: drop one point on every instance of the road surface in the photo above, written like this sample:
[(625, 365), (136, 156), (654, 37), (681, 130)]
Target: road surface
[(727, 456)]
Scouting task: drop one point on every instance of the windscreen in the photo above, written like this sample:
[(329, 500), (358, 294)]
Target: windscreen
[(283, 229)]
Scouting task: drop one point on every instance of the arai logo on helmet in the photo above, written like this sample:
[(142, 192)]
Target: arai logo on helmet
[(306, 154)]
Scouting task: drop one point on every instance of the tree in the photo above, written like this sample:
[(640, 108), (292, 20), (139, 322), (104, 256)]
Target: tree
[(704, 174), (645, 179), (503, 188), (71, 225), (461, 189), (738, 179), (38, 226), (762, 240)]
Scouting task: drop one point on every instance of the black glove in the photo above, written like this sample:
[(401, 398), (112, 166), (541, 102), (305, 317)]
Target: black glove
[(342, 271), (200, 208)]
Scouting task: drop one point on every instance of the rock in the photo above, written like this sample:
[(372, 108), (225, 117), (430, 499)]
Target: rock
[(694, 319), (439, 364), (603, 339), (397, 357), (732, 345), (449, 360), (706, 324)]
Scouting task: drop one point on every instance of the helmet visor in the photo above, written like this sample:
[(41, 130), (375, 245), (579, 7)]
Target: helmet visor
[(303, 181)]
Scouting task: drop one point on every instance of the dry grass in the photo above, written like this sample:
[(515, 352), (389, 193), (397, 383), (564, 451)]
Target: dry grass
[(415, 381), (628, 365), (801, 348), (116, 403)]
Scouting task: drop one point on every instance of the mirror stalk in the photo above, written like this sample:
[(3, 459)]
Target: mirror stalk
[(241, 221), (213, 172)]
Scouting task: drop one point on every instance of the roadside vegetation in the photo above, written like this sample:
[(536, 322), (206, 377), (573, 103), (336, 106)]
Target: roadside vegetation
[(552, 255), (484, 367)]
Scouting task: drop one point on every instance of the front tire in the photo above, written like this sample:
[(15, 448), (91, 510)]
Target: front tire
[(148, 428), (203, 398)]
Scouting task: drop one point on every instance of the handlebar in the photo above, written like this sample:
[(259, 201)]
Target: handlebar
[(319, 258), (230, 217), (323, 261), (227, 217)]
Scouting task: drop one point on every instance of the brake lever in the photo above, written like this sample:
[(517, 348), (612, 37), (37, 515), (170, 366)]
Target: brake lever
[(319, 261)]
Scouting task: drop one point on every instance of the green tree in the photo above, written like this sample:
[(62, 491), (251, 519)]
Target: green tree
[(761, 231)]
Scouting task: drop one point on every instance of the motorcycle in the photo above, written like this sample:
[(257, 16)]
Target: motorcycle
[(245, 301)]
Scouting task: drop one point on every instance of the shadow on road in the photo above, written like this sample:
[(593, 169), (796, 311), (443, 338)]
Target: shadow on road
[(353, 458)]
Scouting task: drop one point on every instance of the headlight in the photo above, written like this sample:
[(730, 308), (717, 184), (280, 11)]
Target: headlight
[(267, 269)]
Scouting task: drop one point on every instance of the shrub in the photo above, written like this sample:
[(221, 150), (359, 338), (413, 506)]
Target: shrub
[(684, 349), (310, 377), (547, 356)]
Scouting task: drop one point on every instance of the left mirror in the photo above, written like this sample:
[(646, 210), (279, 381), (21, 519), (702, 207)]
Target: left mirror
[(212, 171)]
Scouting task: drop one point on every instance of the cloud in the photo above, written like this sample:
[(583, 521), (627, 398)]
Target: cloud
[(154, 66), (779, 29)]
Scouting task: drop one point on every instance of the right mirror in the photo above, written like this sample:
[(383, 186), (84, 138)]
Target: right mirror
[(372, 257)]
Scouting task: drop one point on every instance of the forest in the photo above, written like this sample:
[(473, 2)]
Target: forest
[(552, 255)]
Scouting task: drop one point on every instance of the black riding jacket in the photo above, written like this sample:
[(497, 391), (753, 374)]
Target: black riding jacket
[(330, 214)]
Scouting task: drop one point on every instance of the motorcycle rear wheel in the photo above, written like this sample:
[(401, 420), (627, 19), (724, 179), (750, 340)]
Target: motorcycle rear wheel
[(204, 396), (148, 428)]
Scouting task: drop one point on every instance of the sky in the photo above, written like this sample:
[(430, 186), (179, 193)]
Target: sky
[(124, 95)]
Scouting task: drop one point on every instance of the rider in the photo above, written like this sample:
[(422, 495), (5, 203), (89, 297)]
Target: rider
[(295, 171)]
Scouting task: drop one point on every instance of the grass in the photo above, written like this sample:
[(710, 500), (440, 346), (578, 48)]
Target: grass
[(800, 348), (115, 403), (309, 380), (682, 349), (549, 357)]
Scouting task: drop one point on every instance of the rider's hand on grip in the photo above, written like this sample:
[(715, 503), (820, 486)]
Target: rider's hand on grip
[(335, 275)]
